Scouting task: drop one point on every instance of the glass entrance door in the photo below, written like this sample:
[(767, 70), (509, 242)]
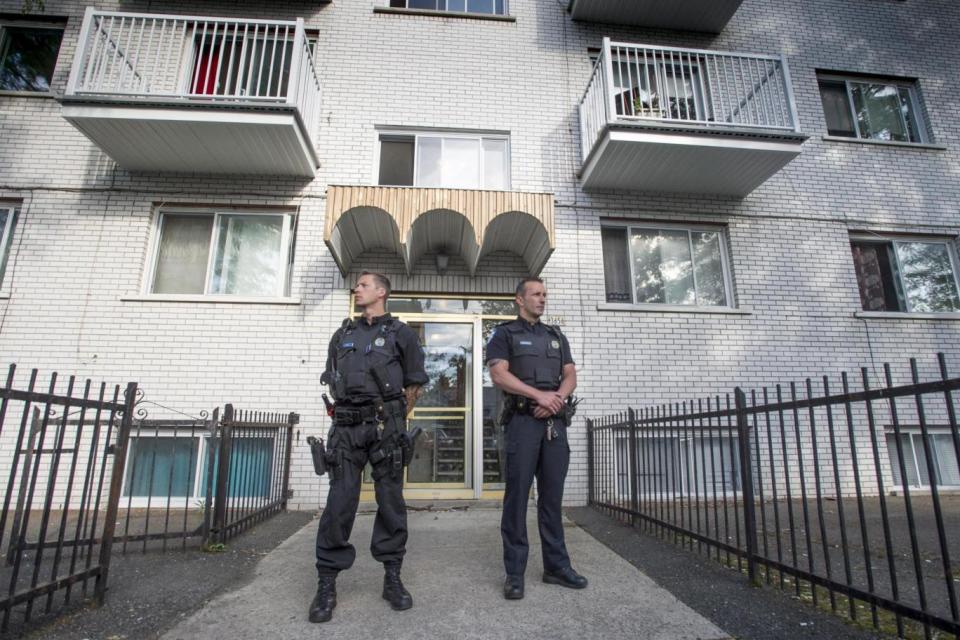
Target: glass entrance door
[(443, 457)]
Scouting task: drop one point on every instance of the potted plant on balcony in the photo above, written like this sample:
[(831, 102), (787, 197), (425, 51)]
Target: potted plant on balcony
[(649, 107)]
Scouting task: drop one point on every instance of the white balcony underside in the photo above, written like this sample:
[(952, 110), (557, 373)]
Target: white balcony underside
[(687, 15), (633, 160), (197, 140)]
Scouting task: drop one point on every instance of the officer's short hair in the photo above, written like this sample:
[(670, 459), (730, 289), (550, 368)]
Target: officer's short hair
[(522, 285), (382, 281)]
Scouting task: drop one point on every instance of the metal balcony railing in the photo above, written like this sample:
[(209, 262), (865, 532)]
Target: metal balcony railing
[(196, 60), (696, 88)]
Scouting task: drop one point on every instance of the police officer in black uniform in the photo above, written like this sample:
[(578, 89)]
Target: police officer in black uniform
[(375, 367), (532, 364)]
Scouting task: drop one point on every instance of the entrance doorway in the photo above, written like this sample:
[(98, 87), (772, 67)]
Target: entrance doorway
[(460, 454)]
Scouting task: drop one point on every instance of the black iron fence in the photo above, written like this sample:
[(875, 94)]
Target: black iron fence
[(847, 496), (89, 474)]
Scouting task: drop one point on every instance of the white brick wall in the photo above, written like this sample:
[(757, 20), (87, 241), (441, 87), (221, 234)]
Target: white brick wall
[(81, 243)]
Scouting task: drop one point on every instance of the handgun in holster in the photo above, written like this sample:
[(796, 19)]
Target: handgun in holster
[(325, 461)]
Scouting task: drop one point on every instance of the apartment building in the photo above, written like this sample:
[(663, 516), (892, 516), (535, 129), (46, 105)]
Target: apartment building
[(717, 192)]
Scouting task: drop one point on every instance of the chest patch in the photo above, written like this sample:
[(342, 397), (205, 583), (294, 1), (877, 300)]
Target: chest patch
[(379, 342), (555, 344)]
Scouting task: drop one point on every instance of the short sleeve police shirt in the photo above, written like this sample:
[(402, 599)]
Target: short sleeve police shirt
[(498, 348)]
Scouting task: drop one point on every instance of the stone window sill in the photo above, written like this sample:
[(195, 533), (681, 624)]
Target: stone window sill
[(900, 315), (919, 146), (668, 308), (211, 299), (443, 14)]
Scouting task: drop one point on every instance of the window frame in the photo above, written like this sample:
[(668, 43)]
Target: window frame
[(506, 9), (880, 239), (673, 226), (417, 134), (6, 241), (913, 89), (203, 451), (287, 240), (915, 435), (28, 23)]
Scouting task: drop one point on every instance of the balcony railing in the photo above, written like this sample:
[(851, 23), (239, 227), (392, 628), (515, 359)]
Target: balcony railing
[(197, 60), (694, 89)]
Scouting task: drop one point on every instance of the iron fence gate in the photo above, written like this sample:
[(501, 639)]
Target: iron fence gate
[(90, 474), (56, 520), (852, 497)]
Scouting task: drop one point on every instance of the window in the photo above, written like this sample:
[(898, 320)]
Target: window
[(454, 161), (665, 265), (945, 469), (28, 55), (661, 90), (905, 275), (872, 109), (8, 218), (704, 465), (490, 7), (223, 253)]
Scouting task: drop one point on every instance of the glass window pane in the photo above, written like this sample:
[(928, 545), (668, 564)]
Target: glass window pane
[(915, 476), (461, 163), (425, 4), (396, 161), (909, 117), (456, 5), (248, 260), (161, 467), (648, 283), (8, 219), (616, 264), (429, 151), (836, 108), (708, 266), (28, 57), (251, 466), (480, 6), (182, 254), (875, 266), (877, 108), (945, 458), (495, 165), (928, 277)]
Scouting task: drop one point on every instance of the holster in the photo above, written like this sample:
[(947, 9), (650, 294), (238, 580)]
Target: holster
[(325, 461)]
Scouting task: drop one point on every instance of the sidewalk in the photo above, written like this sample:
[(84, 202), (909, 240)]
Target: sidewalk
[(454, 571)]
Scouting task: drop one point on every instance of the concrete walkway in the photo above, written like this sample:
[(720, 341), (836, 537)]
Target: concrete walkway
[(453, 569)]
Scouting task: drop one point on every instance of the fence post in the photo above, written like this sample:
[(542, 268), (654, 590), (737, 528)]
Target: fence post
[(113, 502), (746, 480), (590, 463), (213, 428), (223, 472), (292, 419), (634, 472)]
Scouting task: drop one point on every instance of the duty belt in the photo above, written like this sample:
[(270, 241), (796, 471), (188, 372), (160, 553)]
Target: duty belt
[(368, 412), (521, 404)]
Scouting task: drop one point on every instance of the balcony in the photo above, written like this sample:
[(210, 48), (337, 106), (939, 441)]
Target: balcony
[(685, 15), (412, 221), (196, 94), (686, 121)]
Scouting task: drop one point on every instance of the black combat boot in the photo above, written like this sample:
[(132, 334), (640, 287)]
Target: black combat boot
[(393, 589), (321, 609)]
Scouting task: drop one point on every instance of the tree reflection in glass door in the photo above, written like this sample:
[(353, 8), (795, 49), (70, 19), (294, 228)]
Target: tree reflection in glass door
[(443, 454), (493, 442)]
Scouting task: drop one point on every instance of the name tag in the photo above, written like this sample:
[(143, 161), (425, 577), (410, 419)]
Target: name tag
[(347, 345), (526, 343)]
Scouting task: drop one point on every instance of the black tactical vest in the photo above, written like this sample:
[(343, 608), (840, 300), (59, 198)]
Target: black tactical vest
[(368, 367), (535, 356)]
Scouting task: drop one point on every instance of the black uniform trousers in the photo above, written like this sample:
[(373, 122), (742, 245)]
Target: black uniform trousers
[(530, 454), (388, 544)]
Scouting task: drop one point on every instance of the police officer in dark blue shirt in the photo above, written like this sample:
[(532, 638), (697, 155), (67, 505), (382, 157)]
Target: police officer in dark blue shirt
[(375, 367), (532, 364)]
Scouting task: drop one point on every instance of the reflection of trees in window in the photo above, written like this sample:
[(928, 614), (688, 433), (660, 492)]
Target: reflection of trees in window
[(447, 369), (27, 57), (871, 110), (905, 276)]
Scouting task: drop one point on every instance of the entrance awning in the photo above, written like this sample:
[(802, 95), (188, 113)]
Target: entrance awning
[(413, 221)]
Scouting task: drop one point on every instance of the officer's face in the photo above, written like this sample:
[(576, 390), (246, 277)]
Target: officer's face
[(365, 292), (534, 299)]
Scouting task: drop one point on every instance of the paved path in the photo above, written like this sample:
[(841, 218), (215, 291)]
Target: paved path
[(454, 572)]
